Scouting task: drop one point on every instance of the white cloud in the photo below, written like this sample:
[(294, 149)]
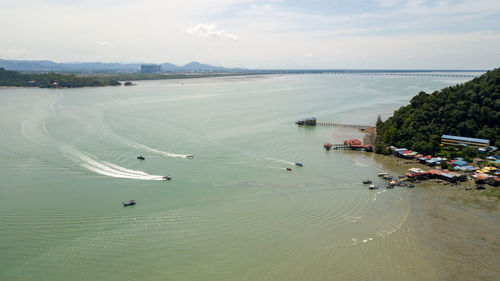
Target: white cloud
[(388, 3), (203, 30), (12, 53), (277, 33)]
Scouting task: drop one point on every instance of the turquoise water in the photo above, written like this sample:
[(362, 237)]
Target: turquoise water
[(68, 160)]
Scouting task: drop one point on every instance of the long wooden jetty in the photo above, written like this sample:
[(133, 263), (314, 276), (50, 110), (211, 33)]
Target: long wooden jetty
[(341, 125)]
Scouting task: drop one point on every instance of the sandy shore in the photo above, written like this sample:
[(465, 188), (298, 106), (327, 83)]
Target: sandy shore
[(461, 227)]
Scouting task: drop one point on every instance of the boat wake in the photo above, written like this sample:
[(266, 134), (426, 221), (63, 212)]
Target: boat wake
[(106, 168), (34, 128), (156, 151), (139, 146), (358, 163), (280, 161)]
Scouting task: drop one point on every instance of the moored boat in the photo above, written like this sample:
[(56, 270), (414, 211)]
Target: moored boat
[(367, 181), (327, 146), (129, 203)]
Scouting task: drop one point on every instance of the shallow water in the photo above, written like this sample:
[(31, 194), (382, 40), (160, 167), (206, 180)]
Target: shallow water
[(68, 160)]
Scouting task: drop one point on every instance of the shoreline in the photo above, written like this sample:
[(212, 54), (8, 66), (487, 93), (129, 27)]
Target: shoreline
[(460, 227), (137, 77)]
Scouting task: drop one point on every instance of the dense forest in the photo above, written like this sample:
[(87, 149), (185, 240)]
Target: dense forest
[(471, 109), (51, 80)]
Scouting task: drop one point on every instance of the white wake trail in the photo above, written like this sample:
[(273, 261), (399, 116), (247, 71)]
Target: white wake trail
[(120, 168), (108, 169), (280, 161), (145, 147)]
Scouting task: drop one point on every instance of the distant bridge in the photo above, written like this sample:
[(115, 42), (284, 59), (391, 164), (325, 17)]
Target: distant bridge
[(406, 74)]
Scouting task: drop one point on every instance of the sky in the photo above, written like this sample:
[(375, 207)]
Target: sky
[(258, 34)]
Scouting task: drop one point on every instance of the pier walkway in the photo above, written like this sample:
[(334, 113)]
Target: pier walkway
[(340, 125)]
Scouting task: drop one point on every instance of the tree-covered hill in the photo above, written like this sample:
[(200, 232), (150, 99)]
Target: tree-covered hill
[(51, 80), (471, 109)]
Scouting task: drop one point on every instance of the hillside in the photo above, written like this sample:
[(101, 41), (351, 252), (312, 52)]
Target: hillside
[(51, 80), (471, 109)]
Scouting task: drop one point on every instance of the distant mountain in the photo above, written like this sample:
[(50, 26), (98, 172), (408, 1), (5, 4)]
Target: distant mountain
[(29, 65), (44, 66), (96, 67), (196, 66), (170, 67)]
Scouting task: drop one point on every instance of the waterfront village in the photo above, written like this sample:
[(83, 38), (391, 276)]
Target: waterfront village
[(449, 171), (482, 171)]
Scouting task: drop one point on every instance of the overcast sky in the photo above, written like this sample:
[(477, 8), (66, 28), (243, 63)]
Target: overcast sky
[(439, 34)]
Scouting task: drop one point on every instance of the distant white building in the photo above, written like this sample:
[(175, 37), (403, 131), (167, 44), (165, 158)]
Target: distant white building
[(150, 68)]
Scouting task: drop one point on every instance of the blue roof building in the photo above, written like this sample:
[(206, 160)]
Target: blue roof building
[(460, 163), (447, 140)]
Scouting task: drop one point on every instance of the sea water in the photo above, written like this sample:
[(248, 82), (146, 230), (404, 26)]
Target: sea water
[(233, 212)]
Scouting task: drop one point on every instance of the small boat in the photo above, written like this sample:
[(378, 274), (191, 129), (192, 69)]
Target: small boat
[(411, 186), (288, 169), (383, 174), (327, 146), (480, 187), (373, 186), (299, 164), (167, 178), (367, 181), (468, 188), (189, 156), (140, 157), (129, 203), (392, 183)]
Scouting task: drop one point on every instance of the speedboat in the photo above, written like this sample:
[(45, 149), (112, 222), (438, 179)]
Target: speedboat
[(140, 157), (189, 156), (367, 181), (167, 178), (129, 203), (299, 164), (373, 186)]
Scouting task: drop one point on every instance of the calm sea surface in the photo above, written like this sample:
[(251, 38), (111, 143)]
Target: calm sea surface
[(68, 160)]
